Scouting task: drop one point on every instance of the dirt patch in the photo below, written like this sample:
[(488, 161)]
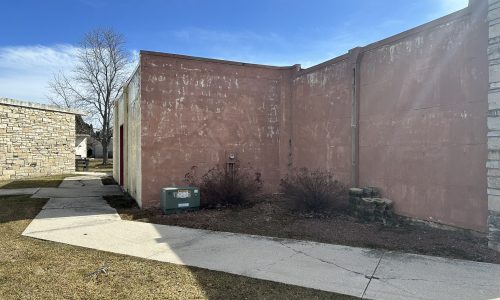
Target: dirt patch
[(272, 216), (108, 181)]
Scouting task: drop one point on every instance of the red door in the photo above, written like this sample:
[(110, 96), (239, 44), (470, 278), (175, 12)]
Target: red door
[(121, 155)]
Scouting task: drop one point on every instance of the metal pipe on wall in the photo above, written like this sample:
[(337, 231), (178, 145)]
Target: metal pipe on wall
[(356, 55)]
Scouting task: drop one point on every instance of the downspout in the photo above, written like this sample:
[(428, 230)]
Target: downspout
[(356, 55), (291, 130)]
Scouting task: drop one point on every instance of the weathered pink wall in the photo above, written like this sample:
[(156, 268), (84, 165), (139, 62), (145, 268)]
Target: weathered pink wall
[(423, 121), (193, 110), (321, 118), (423, 103)]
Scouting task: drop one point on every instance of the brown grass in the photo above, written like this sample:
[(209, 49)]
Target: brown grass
[(47, 181), (35, 269), (95, 165)]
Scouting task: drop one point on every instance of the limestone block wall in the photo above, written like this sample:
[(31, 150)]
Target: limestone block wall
[(493, 163), (35, 141)]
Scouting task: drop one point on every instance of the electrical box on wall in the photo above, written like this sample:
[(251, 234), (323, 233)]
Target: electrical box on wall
[(231, 157), (175, 199)]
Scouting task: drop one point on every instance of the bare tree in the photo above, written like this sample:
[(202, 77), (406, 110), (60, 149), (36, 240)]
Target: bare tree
[(97, 79)]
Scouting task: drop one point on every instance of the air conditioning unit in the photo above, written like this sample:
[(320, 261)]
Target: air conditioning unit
[(175, 199)]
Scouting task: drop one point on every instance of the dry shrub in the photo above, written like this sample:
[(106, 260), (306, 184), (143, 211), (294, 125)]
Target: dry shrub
[(220, 188), (314, 191)]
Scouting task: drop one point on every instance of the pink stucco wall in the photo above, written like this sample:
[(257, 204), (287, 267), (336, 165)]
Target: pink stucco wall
[(194, 111), (422, 119), (321, 118)]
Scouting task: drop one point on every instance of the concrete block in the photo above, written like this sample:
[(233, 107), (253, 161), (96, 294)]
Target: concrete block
[(494, 51), (493, 245), (494, 113), (494, 220), (494, 133), (494, 235), (494, 14), (494, 85), (495, 192), (493, 155), (493, 123), (494, 31), (494, 172), (494, 72), (493, 143), (494, 182), (493, 4), (493, 164), (494, 203), (494, 100)]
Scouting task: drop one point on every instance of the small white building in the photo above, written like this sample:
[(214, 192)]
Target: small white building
[(95, 148), (81, 145)]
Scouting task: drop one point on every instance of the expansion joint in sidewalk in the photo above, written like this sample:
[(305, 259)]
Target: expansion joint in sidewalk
[(371, 277)]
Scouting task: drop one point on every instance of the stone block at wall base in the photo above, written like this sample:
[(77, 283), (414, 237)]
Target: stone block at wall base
[(494, 230), (367, 206), (494, 246)]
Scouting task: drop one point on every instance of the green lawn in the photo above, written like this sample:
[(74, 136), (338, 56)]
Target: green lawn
[(47, 181), (35, 269)]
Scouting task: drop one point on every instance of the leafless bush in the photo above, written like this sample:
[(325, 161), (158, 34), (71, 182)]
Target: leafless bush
[(314, 191), (220, 188)]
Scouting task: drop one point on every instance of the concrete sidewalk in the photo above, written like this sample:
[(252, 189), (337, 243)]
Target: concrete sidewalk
[(77, 215), (22, 191)]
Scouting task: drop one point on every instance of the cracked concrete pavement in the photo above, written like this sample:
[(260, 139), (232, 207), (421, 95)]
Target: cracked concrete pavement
[(77, 215)]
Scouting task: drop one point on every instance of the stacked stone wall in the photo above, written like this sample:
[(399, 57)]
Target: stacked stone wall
[(35, 142)]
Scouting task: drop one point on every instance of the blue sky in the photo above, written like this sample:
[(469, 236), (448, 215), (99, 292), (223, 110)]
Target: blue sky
[(38, 38)]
